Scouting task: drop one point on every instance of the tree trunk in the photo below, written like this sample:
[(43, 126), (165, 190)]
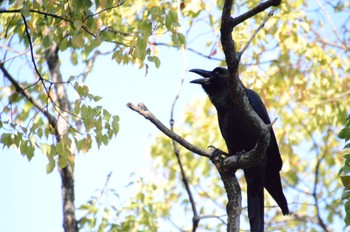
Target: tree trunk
[(67, 174)]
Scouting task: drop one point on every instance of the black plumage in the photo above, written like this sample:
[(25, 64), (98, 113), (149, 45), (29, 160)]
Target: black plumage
[(239, 136)]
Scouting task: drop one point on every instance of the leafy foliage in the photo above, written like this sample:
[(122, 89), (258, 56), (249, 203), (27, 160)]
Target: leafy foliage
[(345, 170), (299, 64), (303, 77), (80, 28)]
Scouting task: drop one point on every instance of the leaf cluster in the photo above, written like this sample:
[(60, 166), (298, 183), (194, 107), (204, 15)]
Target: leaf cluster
[(345, 170), (79, 28)]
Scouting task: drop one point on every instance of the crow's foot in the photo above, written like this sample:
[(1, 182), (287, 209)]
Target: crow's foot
[(217, 154)]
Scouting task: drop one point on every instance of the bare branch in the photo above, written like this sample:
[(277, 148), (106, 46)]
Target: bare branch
[(210, 57), (26, 94), (31, 48), (106, 9), (256, 10), (195, 218), (270, 14), (316, 182), (232, 162), (344, 43), (214, 216), (142, 110), (99, 197)]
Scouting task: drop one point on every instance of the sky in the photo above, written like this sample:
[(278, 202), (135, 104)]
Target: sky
[(30, 199), (29, 193)]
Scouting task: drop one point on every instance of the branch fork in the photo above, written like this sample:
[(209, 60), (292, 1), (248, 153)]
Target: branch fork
[(227, 166), (217, 156)]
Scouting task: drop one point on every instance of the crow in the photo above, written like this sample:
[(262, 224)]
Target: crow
[(239, 136)]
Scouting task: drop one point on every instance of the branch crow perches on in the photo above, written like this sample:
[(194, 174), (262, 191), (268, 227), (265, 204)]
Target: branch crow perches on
[(239, 137)]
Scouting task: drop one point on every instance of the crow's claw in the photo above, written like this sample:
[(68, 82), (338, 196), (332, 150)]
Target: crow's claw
[(239, 155), (217, 153)]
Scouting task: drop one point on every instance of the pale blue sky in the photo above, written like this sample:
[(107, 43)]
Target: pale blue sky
[(30, 199)]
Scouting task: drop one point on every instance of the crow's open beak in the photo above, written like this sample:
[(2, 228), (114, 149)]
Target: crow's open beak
[(203, 73)]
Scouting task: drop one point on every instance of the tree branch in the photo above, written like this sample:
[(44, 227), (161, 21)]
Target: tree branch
[(256, 10), (26, 94), (96, 200), (240, 99), (256, 32), (210, 57), (105, 9), (142, 110), (195, 218), (85, 28), (227, 167)]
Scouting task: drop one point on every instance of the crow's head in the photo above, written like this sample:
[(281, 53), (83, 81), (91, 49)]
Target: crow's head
[(213, 81), (210, 77)]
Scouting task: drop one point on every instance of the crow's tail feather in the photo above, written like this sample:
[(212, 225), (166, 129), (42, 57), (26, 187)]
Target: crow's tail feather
[(274, 187), (255, 194)]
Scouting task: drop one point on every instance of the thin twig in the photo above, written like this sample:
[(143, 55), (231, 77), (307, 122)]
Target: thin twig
[(26, 94), (106, 9), (102, 192), (316, 181), (31, 48), (270, 14), (332, 24), (57, 107), (188, 49), (214, 216), (195, 218)]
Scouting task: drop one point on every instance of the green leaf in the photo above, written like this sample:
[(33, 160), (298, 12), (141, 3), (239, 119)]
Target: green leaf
[(107, 36), (47, 41), (62, 162), (97, 98), (182, 38), (106, 115), (154, 59), (77, 24), (78, 4), (346, 146), (77, 106), (168, 21), (7, 139), (27, 149), (146, 28), (84, 145), (80, 91), (346, 195), (64, 44), (26, 10), (115, 124), (50, 166), (347, 210), (78, 40), (174, 18), (345, 181), (344, 134)]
